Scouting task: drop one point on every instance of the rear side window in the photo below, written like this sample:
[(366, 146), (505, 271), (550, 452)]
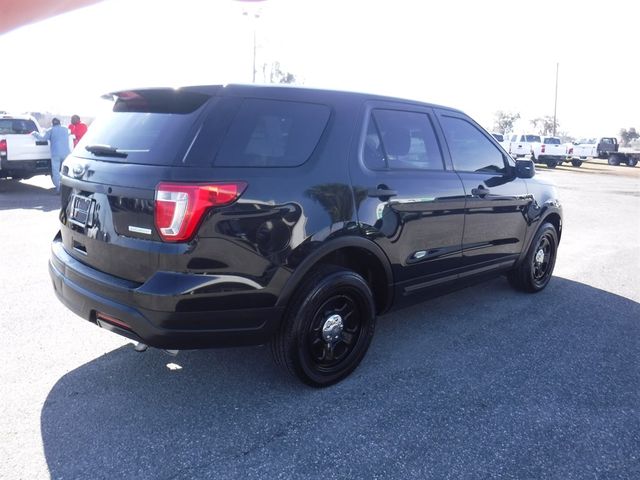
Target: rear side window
[(271, 133), (471, 150), (400, 140), (9, 126), (152, 127)]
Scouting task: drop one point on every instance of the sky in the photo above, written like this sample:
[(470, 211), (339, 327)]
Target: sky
[(480, 57)]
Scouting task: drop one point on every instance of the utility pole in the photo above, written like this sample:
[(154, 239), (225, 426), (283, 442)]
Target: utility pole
[(555, 103), (253, 14)]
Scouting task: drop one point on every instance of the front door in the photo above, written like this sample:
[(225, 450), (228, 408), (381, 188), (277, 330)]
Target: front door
[(496, 201)]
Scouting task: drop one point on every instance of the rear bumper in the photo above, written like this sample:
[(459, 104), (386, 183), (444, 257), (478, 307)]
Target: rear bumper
[(114, 304), (24, 168)]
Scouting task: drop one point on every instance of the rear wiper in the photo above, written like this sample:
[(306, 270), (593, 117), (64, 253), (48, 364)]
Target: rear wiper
[(105, 151)]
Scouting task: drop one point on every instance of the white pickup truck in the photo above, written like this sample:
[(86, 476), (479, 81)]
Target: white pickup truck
[(604, 147), (21, 154), (552, 152), (523, 144)]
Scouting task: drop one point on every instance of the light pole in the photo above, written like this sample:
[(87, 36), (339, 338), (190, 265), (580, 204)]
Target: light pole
[(555, 103), (254, 16)]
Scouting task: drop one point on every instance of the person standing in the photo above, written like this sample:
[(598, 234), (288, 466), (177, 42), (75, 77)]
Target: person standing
[(58, 138), (77, 129)]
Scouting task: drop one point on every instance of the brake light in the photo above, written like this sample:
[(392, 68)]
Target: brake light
[(570, 150), (542, 148), (179, 208), (3, 147)]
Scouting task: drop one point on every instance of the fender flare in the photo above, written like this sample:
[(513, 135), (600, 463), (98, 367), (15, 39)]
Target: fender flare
[(329, 247)]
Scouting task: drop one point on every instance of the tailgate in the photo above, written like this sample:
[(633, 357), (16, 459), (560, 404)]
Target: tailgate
[(26, 147)]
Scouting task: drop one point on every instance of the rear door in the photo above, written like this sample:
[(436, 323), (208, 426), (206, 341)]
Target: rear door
[(496, 202), (409, 201), (21, 145)]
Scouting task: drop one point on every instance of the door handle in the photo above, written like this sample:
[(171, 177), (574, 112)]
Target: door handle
[(480, 191), (381, 192)]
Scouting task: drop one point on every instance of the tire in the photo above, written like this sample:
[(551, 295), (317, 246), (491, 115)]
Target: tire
[(613, 160), (576, 163), (632, 162), (536, 269), (533, 157), (332, 315), (551, 163)]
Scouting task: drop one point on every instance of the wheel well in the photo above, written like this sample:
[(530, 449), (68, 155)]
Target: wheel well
[(554, 219), (367, 265)]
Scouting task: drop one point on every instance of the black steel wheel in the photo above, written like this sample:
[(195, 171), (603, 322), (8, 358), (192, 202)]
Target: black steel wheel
[(576, 163), (328, 327), (535, 271)]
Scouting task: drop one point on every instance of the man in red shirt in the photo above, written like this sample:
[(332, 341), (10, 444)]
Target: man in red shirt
[(77, 129)]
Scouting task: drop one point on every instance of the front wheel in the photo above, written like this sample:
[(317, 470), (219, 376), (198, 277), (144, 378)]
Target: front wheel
[(576, 163), (613, 160), (535, 271), (328, 327)]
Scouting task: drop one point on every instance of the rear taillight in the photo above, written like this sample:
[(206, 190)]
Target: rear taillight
[(542, 148), (3, 147), (179, 208), (570, 151)]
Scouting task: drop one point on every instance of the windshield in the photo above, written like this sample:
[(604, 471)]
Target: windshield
[(149, 126)]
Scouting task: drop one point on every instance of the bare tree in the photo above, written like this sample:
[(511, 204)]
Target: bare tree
[(504, 121), (544, 125)]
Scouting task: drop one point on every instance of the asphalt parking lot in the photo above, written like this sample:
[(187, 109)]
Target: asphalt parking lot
[(482, 383)]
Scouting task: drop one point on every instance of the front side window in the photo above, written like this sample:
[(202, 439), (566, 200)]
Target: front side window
[(400, 140), (470, 150)]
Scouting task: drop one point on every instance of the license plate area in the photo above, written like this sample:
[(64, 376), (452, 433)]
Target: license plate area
[(81, 211)]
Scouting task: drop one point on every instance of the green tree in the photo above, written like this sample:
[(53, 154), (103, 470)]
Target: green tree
[(504, 121), (628, 136)]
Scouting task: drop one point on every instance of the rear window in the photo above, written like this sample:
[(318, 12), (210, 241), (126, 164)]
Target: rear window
[(15, 126), (533, 138), (498, 137), (152, 127), (552, 141), (270, 133)]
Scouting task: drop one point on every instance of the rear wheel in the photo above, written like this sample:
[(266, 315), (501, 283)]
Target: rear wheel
[(328, 327), (632, 162), (535, 271), (576, 163), (551, 163)]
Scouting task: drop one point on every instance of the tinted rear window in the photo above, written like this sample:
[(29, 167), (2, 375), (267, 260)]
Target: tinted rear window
[(552, 141), (152, 127), (533, 138), (14, 126), (270, 133), (498, 137)]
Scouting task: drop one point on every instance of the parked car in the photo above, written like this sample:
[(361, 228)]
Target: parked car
[(502, 140), (243, 215), (21, 155), (523, 144), (551, 152)]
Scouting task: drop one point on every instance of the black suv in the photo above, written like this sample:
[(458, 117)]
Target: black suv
[(237, 215)]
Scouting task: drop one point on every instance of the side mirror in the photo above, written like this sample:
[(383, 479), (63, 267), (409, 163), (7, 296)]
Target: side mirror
[(525, 168)]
